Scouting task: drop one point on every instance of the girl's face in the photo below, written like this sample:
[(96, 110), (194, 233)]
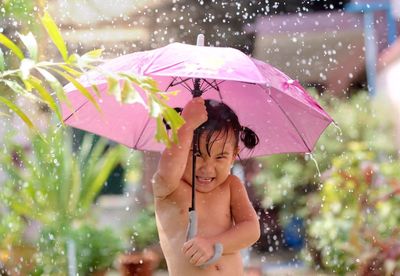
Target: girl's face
[(212, 169)]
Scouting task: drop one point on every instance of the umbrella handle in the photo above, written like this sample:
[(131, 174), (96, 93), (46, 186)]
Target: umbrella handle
[(192, 227), (218, 249), (192, 232)]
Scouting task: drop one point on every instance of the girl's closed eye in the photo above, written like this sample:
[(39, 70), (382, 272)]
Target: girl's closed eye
[(222, 156)]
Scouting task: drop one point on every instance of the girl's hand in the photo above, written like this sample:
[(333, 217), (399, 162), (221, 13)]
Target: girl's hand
[(195, 113), (198, 250)]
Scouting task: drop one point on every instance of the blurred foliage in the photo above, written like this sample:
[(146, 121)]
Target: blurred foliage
[(40, 81), (12, 227), (18, 9), (53, 185), (286, 180), (96, 249), (355, 221), (143, 232)]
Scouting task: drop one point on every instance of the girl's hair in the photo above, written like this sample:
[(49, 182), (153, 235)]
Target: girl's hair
[(221, 120)]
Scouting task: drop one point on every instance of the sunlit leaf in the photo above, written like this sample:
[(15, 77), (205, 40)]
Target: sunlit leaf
[(19, 112), (26, 67), (70, 70), (20, 90), (96, 53), (2, 114), (47, 98), (96, 90), (79, 86), (75, 187), (161, 133), (113, 88), (55, 35), (129, 95), (174, 120), (30, 44), (12, 46), (154, 106), (2, 62), (55, 85), (103, 170)]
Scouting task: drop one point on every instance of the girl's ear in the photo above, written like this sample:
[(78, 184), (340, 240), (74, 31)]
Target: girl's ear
[(235, 154)]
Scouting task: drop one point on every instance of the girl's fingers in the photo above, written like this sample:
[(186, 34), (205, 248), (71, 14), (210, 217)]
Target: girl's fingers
[(196, 257), (186, 246), (201, 261), (190, 252)]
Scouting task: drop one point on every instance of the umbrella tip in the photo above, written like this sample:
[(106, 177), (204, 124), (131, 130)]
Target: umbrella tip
[(200, 40)]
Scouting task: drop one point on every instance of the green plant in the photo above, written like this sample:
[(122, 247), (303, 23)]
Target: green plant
[(355, 220), (54, 185), (96, 249), (12, 227), (143, 232), (286, 180), (40, 81)]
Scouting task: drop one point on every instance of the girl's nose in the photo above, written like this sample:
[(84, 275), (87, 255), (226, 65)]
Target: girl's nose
[(206, 166)]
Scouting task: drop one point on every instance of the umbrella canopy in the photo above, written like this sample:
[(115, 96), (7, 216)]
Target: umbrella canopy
[(277, 108)]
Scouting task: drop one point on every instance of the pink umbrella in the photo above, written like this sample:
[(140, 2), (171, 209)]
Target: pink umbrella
[(282, 114), (277, 108)]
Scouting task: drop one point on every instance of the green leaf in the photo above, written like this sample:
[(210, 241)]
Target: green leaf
[(113, 88), (55, 35), (4, 114), (2, 62), (70, 70), (110, 160), (19, 112), (79, 86), (174, 120), (162, 134), (30, 44), (76, 185), (94, 54), (144, 82), (20, 90), (12, 46), (47, 98), (129, 95), (55, 85), (26, 67), (154, 105), (96, 90)]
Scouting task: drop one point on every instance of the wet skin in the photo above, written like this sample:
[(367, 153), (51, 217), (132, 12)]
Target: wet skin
[(225, 214)]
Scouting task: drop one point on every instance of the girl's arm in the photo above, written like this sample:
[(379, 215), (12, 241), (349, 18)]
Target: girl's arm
[(173, 160), (244, 233), (246, 230)]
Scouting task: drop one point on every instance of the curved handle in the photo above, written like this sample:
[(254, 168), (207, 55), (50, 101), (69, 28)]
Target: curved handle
[(218, 249), (192, 227), (192, 232)]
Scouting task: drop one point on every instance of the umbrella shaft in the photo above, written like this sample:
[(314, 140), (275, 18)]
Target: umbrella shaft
[(195, 153), (196, 92)]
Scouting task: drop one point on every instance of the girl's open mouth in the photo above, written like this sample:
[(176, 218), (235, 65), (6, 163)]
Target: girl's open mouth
[(204, 180)]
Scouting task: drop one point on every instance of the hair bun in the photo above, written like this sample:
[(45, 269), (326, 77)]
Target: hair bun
[(249, 137)]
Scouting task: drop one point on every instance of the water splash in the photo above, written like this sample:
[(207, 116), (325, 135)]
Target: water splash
[(311, 156)]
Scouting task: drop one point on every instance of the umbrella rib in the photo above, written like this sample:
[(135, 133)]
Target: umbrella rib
[(141, 133), (291, 122), (213, 84), (76, 110), (182, 81)]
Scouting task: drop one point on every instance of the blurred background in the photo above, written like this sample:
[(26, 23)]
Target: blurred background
[(335, 212)]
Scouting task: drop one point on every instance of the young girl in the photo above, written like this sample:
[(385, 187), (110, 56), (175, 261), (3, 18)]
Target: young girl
[(225, 214)]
